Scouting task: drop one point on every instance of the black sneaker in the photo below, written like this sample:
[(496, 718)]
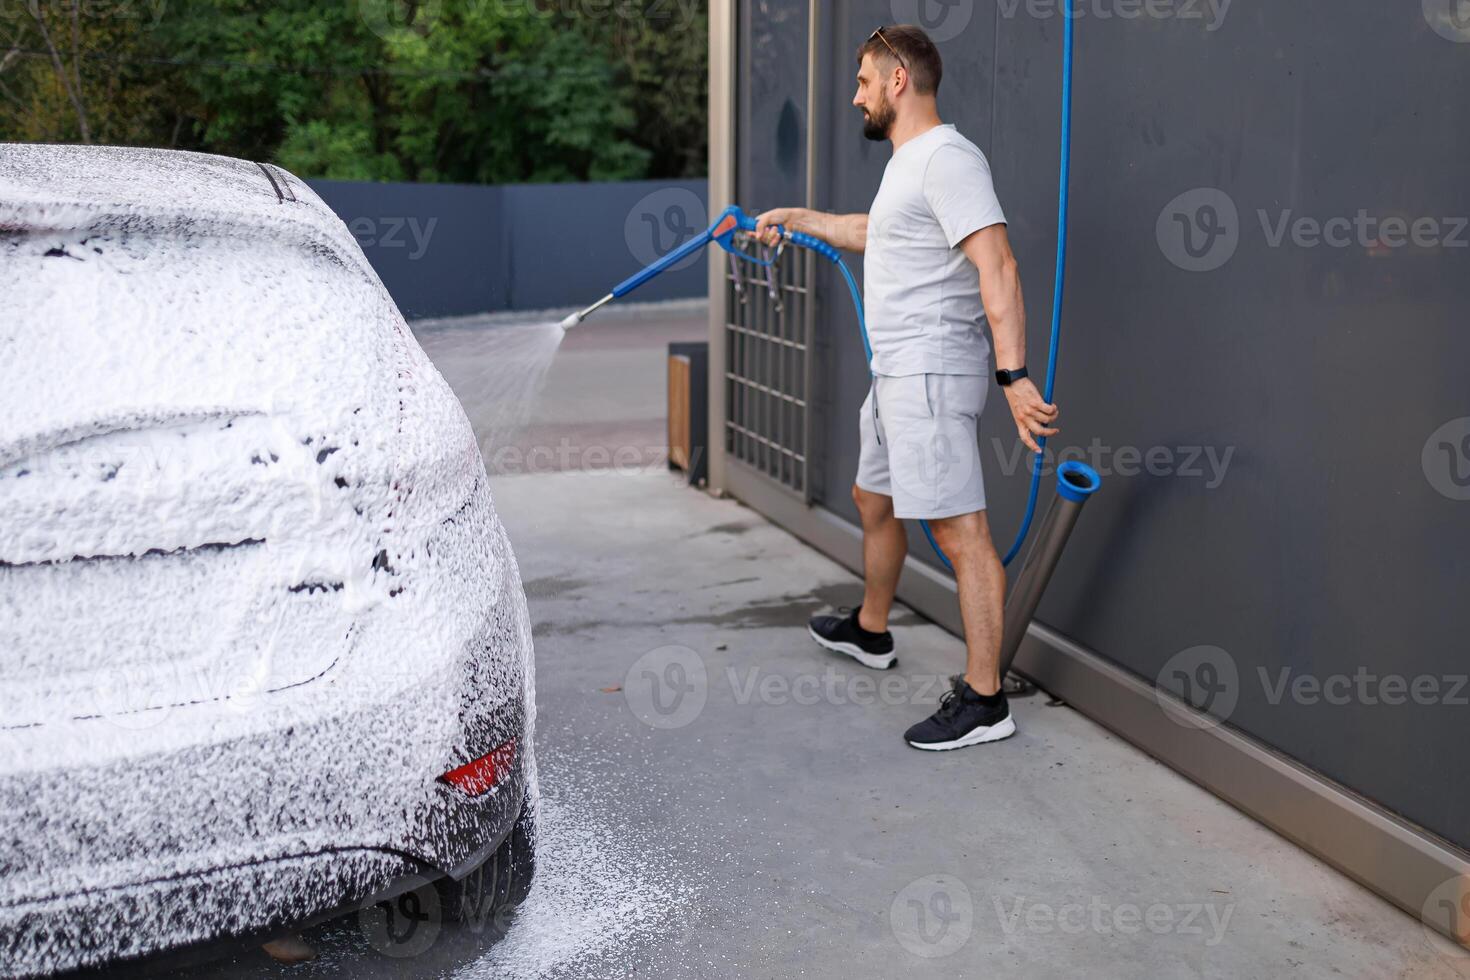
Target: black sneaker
[(844, 635), (964, 718)]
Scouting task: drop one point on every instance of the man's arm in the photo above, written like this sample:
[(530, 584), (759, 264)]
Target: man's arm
[(844, 231), (1000, 291)]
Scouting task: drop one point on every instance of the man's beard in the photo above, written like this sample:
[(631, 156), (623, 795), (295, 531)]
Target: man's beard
[(878, 121)]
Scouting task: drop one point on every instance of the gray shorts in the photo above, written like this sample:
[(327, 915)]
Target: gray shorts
[(920, 443)]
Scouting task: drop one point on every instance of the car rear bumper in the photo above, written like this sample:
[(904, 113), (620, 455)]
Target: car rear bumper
[(269, 816)]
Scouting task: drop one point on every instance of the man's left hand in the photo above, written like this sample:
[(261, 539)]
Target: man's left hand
[(1034, 417)]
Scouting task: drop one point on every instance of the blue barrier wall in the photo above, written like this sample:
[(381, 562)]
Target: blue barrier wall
[(453, 249)]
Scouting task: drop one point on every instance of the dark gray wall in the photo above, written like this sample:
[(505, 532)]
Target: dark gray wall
[(1335, 545), (451, 249)]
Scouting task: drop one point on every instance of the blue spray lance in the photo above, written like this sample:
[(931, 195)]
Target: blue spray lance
[(721, 233)]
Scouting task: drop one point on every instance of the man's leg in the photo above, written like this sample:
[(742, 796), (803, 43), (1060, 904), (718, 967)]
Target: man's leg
[(980, 579), (864, 636), (885, 544)]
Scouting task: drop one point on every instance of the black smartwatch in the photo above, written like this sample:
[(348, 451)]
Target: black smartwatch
[(1004, 377)]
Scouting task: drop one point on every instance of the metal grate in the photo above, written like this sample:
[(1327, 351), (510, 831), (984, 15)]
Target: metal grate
[(768, 370)]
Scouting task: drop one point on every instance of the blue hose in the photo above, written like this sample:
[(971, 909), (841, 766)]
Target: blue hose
[(1060, 282)]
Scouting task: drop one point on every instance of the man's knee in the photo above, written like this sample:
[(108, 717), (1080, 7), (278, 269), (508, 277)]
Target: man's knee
[(966, 534), (874, 508)]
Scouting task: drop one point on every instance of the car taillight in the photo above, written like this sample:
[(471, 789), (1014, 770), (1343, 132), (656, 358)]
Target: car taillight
[(479, 776)]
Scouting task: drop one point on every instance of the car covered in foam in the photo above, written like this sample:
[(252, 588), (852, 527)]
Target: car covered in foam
[(264, 650)]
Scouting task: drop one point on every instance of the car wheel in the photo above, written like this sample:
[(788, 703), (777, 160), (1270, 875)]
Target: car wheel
[(488, 894)]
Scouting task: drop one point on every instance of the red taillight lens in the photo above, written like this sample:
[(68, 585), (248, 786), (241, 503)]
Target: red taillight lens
[(480, 775)]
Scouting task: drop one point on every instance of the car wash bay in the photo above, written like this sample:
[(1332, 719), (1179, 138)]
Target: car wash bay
[(722, 798)]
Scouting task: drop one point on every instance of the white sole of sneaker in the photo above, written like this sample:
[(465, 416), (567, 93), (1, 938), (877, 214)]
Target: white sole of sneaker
[(877, 661), (991, 733)]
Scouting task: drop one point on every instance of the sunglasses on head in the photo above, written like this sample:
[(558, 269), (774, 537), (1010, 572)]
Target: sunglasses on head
[(879, 35)]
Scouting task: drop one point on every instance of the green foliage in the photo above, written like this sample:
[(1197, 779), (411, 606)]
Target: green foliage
[(484, 91)]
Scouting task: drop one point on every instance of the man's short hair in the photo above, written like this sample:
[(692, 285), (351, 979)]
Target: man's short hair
[(917, 52)]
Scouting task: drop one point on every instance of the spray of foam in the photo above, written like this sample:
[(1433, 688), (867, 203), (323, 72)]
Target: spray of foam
[(496, 369), (605, 889)]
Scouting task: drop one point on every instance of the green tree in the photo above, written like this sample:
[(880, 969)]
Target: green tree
[(428, 90), (663, 51), (494, 92)]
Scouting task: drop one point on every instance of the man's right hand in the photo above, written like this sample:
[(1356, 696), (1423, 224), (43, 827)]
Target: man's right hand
[(845, 231), (788, 218)]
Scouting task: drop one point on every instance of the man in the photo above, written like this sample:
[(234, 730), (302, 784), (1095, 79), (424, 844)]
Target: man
[(937, 263)]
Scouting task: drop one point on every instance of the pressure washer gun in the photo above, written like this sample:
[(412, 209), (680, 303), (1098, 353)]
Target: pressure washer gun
[(731, 223)]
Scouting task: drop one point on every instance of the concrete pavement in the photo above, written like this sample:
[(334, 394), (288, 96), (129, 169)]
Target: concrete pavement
[(723, 798)]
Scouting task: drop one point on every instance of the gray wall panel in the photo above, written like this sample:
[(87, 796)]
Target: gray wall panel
[(1336, 543), (771, 114)]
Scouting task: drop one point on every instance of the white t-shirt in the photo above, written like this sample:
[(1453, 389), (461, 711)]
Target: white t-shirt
[(921, 293)]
